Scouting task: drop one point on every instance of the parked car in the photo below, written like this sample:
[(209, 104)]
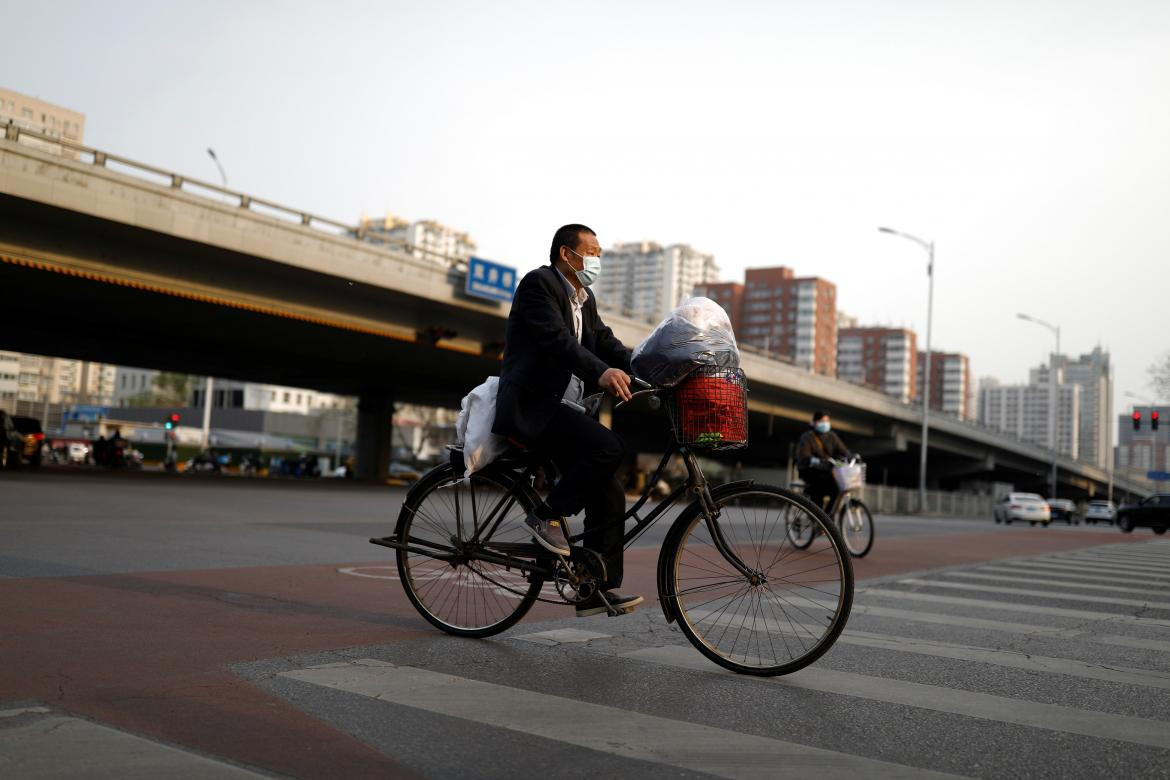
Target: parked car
[(1064, 510), (1022, 506), (1100, 511), (11, 442), (34, 438), (1152, 512)]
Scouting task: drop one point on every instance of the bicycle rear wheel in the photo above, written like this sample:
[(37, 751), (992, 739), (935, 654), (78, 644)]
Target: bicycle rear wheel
[(790, 606), (800, 532), (450, 587), (856, 524)]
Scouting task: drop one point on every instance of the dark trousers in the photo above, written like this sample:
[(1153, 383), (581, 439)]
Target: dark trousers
[(819, 485), (587, 455)]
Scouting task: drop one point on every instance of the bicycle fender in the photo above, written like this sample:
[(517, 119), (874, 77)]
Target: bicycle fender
[(665, 599)]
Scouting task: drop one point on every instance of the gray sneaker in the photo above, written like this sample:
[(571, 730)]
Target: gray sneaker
[(549, 534), (621, 605)]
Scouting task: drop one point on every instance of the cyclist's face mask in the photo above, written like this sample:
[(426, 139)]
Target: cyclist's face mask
[(590, 270), (822, 426)]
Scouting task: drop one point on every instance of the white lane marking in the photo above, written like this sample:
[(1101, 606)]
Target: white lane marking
[(562, 636), (1007, 606), (1078, 576), (1000, 709), (1041, 581), (1055, 563), (364, 571), (1135, 566), (70, 747), (1157, 559), (965, 622), (1136, 642), (632, 735), (1140, 603), (1010, 659)]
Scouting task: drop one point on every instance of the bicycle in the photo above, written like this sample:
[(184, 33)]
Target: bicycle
[(727, 575), (851, 516)]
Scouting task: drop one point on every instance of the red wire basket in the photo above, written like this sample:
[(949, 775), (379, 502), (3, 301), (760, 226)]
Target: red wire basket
[(708, 409)]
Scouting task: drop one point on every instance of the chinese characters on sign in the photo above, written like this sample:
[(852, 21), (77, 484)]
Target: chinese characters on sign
[(489, 280)]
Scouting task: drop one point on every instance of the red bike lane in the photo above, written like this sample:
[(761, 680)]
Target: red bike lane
[(152, 653)]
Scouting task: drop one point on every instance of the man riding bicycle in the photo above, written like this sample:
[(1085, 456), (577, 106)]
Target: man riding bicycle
[(556, 349), (817, 447)]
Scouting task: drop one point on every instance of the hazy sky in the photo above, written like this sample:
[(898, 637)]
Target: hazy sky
[(1029, 140)]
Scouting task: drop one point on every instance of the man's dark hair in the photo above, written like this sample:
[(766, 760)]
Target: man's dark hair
[(818, 414), (567, 235)]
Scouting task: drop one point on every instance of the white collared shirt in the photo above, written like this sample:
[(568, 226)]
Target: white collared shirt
[(575, 390), (577, 299)]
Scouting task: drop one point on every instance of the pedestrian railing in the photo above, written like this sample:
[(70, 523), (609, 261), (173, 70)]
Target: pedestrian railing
[(72, 150)]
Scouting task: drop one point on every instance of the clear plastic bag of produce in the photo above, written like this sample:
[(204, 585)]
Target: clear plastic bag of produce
[(697, 333)]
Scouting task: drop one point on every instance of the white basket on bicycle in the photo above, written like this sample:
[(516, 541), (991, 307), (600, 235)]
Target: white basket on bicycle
[(851, 476)]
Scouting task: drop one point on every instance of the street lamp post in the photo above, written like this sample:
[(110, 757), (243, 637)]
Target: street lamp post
[(209, 385), (1051, 392), (926, 376)]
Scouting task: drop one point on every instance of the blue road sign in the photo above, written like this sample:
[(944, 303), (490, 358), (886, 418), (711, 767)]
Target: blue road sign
[(489, 280), (1158, 476), (87, 413)]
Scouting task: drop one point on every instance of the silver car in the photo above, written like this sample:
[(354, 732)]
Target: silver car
[(1103, 511), (1024, 507)]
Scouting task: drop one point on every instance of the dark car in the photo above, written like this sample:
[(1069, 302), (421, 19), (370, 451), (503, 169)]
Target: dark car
[(11, 442), (34, 437), (1152, 512)]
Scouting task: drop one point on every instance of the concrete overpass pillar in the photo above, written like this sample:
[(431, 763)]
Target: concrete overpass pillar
[(375, 427)]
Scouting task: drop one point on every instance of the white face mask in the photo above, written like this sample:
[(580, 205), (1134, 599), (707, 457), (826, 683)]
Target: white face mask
[(588, 275), (823, 426)]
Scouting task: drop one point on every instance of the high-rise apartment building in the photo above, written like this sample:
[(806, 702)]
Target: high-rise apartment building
[(1092, 373), (951, 388), (41, 116), (1145, 449), (1023, 411), (427, 239), (885, 359), (647, 280), (795, 317)]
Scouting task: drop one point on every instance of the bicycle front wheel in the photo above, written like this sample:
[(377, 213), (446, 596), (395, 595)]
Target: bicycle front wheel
[(448, 585), (744, 594), (856, 524)]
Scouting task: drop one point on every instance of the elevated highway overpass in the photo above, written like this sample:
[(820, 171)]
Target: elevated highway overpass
[(103, 258)]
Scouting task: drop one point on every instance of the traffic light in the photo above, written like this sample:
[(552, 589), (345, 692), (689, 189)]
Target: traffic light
[(1137, 420), (1153, 419), (171, 421)]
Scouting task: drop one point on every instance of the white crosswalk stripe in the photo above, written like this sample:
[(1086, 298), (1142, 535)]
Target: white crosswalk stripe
[(628, 734), (1081, 614), (1141, 603), (1075, 567), (932, 697), (982, 575)]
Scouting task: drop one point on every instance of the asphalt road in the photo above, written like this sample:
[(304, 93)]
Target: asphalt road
[(156, 625)]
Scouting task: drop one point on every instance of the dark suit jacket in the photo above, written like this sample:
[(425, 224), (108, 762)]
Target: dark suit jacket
[(541, 353)]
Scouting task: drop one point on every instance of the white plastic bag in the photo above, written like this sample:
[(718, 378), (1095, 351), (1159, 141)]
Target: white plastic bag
[(697, 333), (473, 427)]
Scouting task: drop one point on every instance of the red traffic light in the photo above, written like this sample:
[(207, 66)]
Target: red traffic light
[(1154, 419), (174, 417), (1137, 420)]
